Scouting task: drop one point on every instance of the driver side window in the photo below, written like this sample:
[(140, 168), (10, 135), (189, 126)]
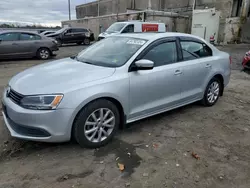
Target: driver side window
[(162, 54), (129, 29)]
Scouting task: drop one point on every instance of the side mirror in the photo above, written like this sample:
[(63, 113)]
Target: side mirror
[(144, 64)]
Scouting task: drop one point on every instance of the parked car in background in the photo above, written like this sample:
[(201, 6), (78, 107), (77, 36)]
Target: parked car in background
[(47, 32), (118, 80), (246, 61), (132, 27), (23, 44), (73, 35)]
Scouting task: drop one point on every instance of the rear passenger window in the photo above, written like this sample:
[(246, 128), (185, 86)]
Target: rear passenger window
[(79, 30), (162, 54), (193, 50), (28, 36)]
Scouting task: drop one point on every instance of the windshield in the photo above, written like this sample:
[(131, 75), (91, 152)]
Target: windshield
[(111, 52), (116, 27), (60, 31)]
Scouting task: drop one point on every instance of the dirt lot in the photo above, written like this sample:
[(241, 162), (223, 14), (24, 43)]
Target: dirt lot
[(156, 152)]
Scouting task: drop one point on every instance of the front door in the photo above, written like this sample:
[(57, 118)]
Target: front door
[(153, 91), (9, 44)]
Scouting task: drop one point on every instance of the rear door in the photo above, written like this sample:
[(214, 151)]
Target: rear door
[(29, 43), (196, 68), (9, 45)]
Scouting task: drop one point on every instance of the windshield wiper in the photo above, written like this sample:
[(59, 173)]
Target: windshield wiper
[(87, 62), (76, 58)]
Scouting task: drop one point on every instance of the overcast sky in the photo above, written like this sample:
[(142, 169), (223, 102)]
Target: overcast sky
[(49, 12)]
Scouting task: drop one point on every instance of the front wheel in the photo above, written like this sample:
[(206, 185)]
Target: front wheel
[(96, 124), (86, 41), (212, 92)]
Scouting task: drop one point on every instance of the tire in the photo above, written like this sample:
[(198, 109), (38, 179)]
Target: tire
[(212, 92), (86, 41), (43, 53), (85, 121)]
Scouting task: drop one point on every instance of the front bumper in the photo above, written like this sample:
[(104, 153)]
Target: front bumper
[(54, 48), (37, 125)]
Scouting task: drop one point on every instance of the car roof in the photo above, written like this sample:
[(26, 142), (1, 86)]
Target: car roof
[(155, 36), (18, 31)]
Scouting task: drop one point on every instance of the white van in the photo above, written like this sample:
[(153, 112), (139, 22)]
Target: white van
[(132, 27)]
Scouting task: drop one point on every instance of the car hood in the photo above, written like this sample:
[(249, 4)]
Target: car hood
[(53, 35), (57, 77), (107, 34)]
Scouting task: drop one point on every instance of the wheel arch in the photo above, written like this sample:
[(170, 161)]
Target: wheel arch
[(221, 79), (115, 101)]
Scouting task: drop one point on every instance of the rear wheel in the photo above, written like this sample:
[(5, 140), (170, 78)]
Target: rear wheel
[(212, 92), (43, 53), (96, 124)]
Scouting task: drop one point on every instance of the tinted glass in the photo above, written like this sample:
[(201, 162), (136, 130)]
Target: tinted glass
[(128, 29), (162, 54), (9, 37), (28, 36), (192, 50), (79, 30), (60, 31), (111, 52)]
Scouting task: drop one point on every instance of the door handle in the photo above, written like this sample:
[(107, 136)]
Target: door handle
[(208, 65), (177, 72)]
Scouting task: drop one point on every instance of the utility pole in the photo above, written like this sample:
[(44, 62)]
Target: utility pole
[(149, 5), (98, 7), (69, 10)]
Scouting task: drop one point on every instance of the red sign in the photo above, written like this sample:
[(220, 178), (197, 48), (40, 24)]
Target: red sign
[(150, 27)]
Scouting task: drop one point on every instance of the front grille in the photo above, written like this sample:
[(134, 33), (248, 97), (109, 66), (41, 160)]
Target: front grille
[(26, 130), (14, 96)]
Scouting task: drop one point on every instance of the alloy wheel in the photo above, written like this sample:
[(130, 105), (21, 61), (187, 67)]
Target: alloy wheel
[(99, 125), (213, 92), (44, 54)]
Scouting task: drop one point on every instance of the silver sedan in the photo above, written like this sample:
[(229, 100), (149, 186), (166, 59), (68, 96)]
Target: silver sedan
[(116, 81)]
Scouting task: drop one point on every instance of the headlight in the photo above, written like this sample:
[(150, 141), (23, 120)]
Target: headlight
[(41, 102), (87, 34), (54, 41)]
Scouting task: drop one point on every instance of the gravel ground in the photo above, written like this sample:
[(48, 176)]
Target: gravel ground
[(156, 152)]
